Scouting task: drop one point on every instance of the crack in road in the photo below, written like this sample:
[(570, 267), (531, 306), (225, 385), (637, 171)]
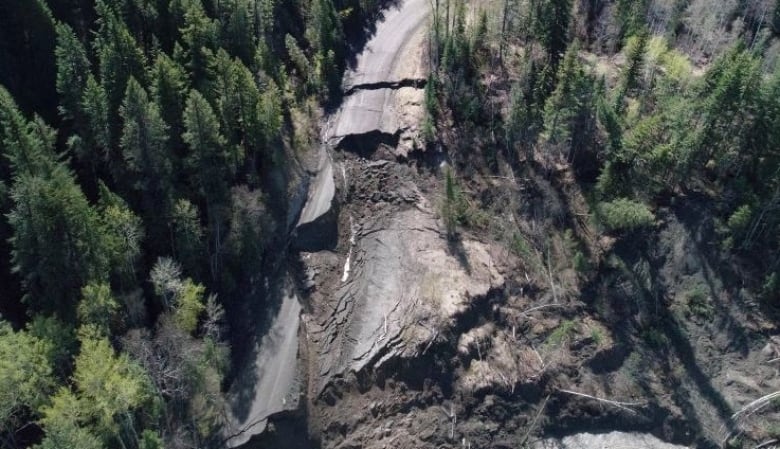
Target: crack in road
[(417, 83)]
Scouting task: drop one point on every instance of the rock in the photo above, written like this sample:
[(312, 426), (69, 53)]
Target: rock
[(612, 440)]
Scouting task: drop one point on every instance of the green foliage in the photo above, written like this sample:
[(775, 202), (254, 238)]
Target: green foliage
[(250, 120), (561, 333), (210, 161), (20, 144), (170, 108), (26, 377), (326, 36), (453, 205), (119, 59), (770, 287), (480, 41), (60, 420), (183, 297), (59, 342), (199, 38), (168, 90), (740, 220), (238, 28), (431, 108), (580, 262), (250, 229), (655, 337), (150, 440), (207, 404), (189, 305), (187, 234), (299, 61), (123, 233), (631, 16), (676, 67), (144, 143), (109, 385), (53, 270), (636, 47), (569, 113), (624, 215), (521, 248), (730, 87), (96, 108), (698, 302), (98, 307), (527, 98), (550, 25), (73, 68), (597, 336), (109, 388), (431, 98)]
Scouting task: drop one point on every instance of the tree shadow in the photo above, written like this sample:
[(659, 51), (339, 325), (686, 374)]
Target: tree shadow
[(365, 29), (456, 248), (694, 214), (358, 32), (639, 274), (242, 392)]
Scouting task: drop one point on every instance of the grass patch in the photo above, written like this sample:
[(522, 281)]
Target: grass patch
[(563, 331), (597, 336), (698, 303)]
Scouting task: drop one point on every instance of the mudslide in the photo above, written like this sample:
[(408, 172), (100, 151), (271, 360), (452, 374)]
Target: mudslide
[(273, 380)]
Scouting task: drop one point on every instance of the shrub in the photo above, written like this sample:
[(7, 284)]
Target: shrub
[(699, 303), (580, 262), (624, 215), (740, 219), (655, 338)]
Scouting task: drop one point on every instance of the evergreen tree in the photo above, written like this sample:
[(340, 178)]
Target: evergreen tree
[(53, 270), (550, 26), (238, 99), (119, 58), (326, 36), (23, 147), (187, 236), (569, 113), (123, 233), (73, 69), (212, 163), (238, 34), (635, 51), (729, 110), (199, 37), (47, 201), (144, 146), (168, 89), (92, 149), (141, 17)]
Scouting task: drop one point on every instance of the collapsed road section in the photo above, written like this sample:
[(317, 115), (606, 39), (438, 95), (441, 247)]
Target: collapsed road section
[(271, 381)]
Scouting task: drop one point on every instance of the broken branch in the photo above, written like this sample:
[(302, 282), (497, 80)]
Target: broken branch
[(619, 404)]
